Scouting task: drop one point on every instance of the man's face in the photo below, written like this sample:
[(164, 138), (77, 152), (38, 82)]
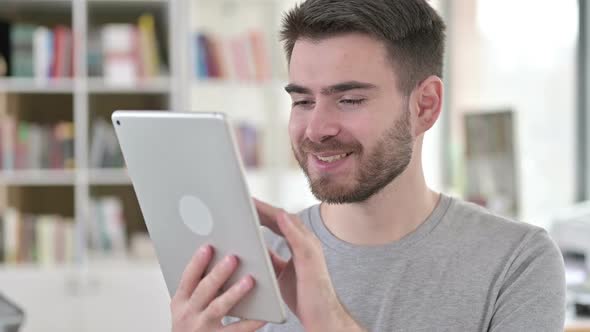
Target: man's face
[(350, 126)]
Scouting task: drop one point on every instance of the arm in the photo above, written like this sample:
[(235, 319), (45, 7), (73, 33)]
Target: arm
[(532, 294)]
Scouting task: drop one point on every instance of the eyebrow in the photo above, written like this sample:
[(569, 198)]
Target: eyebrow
[(336, 88)]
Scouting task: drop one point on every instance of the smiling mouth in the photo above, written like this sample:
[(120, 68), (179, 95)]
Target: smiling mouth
[(332, 158)]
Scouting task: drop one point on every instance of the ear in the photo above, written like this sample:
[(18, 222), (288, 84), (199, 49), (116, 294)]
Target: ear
[(427, 100)]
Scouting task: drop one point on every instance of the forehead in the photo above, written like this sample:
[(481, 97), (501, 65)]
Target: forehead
[(340, 58)]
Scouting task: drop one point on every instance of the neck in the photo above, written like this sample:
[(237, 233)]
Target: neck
[(397, 210)]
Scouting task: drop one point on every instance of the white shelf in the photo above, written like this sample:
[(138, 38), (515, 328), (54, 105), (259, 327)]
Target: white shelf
[(232, 85), (127, 1), (109, 176), (33, 85), (33, 268), (37, 177), (148, 86), (25, 2), (243, 2), (61, 4)]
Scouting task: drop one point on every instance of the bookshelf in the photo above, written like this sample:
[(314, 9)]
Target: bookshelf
[(79, 73)]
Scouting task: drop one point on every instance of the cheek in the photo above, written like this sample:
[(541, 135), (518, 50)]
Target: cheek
[(361, 129)]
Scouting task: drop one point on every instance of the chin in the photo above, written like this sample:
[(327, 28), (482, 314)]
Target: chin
[(328, 191)]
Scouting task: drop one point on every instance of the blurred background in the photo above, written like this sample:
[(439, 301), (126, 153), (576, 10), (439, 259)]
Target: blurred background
[(74, 251)]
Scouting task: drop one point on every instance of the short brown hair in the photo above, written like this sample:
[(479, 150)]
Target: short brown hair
[(411, 30)]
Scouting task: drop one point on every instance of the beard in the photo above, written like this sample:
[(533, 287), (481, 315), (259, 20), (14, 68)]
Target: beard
[(376, 168)]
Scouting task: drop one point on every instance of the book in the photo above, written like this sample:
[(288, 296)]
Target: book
[(11, 235), (148, 46), (35, 147), (65, 137), (21, 37), (214, 61), (27, 245), (62, 47), (2, 238), (45, 229), (114, 223), (104, 147), (248, 141), (106, 231), (94, 53), (201, 50), (259, 55), (120, 54), (3, 66), (28, 50), (69, 234), (55, 149), (5, 48), (21, 145), (8, 125), (126, 53), (42, 53), (28, 238), (242, 57), (27, 145)]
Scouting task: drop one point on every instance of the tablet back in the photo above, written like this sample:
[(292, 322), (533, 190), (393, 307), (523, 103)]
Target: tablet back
[(191, 190)]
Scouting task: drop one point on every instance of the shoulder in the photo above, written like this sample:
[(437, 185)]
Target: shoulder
[(494, 239), (470, 221), (527, 265), (517, 244)]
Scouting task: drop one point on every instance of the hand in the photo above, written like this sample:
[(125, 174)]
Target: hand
[(197, 304), (304, 280)]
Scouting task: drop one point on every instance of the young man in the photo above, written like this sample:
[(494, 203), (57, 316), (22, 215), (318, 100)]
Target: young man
[(383, 252)]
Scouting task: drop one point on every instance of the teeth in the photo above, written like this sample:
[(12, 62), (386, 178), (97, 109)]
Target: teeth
[(332, 158)]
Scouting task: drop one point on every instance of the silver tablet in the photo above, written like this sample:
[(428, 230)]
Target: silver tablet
[(191, 190)]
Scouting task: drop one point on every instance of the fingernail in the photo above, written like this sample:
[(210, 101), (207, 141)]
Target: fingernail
[(230, 259), (205, 249), (246, 282)]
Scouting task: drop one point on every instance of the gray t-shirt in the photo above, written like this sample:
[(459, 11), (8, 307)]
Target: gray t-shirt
[(463, 269)]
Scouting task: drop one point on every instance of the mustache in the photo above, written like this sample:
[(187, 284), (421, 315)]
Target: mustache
[(331, 144)]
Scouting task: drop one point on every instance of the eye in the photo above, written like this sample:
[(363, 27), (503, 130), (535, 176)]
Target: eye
[(302, 103), (353, 101)]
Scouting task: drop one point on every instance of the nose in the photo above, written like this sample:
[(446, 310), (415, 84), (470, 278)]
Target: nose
[(322, 124)]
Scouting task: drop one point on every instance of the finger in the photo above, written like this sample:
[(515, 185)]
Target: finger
[(303, 244), (193, 272), (244, 326), (293, 233), (277, 262), (208, 287), (222, 304), (296, 221), (288, 286), (268, 215)]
